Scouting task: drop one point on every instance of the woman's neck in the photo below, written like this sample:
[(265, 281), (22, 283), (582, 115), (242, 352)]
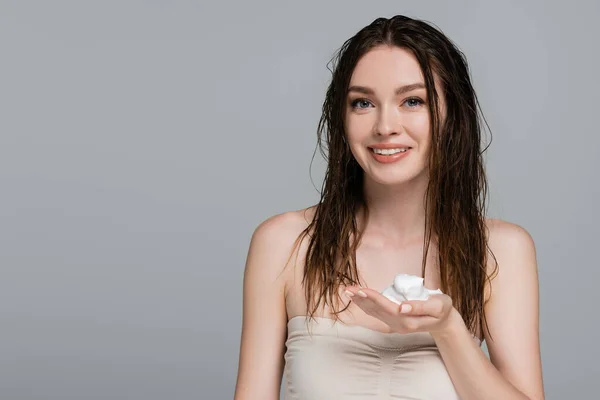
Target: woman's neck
[(396, 213)]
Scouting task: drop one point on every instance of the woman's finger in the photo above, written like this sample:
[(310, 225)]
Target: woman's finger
[(363, 301), (375, 298), (434, 306)]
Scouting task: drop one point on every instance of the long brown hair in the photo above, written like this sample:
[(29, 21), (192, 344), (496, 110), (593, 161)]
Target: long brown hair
[(457, 190)]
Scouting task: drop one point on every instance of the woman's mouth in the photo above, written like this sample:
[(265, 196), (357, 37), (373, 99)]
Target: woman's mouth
[(389, 152), (386, 156)]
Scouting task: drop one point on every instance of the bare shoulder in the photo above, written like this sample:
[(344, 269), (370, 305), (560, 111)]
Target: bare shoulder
[(277, 236), (285, 225), (508, 240), (511, 252), (283, 229), (504, 234)]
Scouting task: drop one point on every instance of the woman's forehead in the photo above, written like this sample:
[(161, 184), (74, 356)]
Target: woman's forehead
[(386, 67)]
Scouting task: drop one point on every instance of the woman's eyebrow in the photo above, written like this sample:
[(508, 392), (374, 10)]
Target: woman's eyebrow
[(399, 91)]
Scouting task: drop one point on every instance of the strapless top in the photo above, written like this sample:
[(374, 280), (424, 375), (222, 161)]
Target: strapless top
[(334, 361)]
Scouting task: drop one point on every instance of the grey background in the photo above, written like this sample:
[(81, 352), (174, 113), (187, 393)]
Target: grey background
[(143, 141)]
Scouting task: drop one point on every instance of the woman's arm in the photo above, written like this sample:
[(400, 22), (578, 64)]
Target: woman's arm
[(512, 314), (264, 322)]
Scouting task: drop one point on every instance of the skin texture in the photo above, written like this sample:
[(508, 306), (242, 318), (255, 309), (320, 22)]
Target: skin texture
[(393, 232)]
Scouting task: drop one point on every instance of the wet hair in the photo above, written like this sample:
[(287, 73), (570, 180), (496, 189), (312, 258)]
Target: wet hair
[(456, 194)]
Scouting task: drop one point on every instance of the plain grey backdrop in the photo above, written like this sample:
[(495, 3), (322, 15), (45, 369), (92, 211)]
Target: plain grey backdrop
[(143, 141)]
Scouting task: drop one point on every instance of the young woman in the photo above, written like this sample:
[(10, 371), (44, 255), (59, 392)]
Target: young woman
[(404, 192)]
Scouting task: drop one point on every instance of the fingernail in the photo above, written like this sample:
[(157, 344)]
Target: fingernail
[(348, 293), (361, 293), (404, 308)]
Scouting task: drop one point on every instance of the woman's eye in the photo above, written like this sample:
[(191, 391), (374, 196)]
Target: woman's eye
[(360, 103), (414, 102)]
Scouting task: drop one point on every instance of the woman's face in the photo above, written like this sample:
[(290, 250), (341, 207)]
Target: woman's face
[(387, 111)]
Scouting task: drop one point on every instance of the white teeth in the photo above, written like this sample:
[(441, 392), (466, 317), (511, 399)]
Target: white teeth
[(388, 152)]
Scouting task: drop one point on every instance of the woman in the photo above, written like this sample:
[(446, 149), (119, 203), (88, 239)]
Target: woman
[(404, 192)]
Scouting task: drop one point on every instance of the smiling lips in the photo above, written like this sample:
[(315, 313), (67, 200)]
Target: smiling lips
[(389, 153)]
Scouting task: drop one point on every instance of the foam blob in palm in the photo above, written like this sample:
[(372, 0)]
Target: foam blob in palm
[(408, 287)]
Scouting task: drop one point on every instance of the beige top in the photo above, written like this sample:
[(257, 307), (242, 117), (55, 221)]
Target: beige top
[(342, 362)]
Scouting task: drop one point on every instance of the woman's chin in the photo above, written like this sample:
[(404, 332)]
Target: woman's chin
[(398, 179)]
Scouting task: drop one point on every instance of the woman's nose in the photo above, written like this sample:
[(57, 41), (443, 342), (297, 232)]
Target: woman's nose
[(388, 121)]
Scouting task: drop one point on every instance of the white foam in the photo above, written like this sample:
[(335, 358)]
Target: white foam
[(408, 287)]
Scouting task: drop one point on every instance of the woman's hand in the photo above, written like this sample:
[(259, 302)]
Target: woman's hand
[(432, 315)]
